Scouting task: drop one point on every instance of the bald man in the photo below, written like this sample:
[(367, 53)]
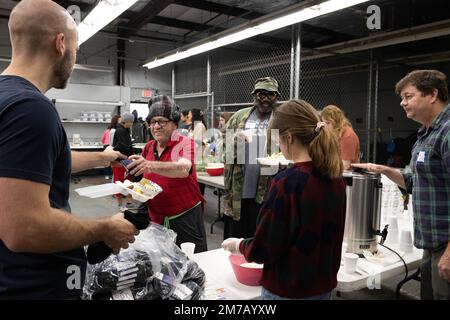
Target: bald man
[(41, 243)]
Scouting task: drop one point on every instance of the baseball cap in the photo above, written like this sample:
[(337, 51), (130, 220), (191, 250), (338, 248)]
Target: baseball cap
[(266, 83)]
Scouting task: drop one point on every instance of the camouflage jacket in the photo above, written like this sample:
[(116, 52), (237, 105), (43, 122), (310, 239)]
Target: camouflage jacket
[(234, 173)]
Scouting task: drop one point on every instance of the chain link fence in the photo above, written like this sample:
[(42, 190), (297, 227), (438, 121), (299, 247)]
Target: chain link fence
[(233, 80), (190, 80), (341, 80), (360, 83)]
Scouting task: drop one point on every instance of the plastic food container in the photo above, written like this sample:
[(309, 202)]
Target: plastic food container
[(138, 196), (246, 275), (118, 187)]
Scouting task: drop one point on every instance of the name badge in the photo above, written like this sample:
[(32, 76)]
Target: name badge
[(421, 156)]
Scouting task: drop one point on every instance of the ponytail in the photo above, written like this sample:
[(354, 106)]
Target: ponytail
[(324, 150), (300, 119)]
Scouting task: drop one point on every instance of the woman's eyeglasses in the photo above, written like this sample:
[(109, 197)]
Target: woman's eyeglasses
[(161, 123)]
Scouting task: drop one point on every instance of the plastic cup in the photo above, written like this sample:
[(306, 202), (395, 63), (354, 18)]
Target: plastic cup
[(350, 262), (188, 248), (393, 223), (392, 236), (344, 249), (406, 243)]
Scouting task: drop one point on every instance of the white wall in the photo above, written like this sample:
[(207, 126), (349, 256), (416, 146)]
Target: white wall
[(136, 76), (84, 94)]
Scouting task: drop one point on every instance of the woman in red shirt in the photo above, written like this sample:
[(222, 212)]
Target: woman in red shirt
[(336, 119), (169, 161)]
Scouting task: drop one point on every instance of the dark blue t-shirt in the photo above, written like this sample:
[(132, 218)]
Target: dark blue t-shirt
[(34, 146)]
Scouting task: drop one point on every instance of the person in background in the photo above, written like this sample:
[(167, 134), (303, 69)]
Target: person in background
[(197, 131), (244, 182), (184, 121), (218, 143), (424, 98), (105, 141), (216, 139), (122, 143), (223, 119), (41, 243), (196, 125), (112, 131), (169, 161), (138, 129), (148, 129), (106, 134), (301, 223), (336, 119)]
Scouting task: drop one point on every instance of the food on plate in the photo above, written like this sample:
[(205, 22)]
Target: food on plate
[(148, 187), (276, 155), (128, 184), (144, 187)]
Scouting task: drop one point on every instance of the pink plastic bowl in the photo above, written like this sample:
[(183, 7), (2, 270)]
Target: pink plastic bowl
[(247, 276), (214, 171)]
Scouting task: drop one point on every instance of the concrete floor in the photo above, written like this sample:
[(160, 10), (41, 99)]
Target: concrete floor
[(107, 206)]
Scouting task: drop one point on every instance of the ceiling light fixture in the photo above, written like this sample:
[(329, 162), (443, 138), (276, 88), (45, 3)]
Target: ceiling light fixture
[(259, 26), (103, 13)]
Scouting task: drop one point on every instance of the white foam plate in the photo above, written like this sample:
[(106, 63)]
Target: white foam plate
[(108, 189), (98, 191), (273, 161)]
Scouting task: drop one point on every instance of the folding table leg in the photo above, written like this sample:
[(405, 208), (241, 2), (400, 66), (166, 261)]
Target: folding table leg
[(219, 216), (414, 276)]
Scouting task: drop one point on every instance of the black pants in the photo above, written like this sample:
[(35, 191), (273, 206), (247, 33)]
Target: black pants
[(190, 228), (246, 226), (432, 286), (202, 186)]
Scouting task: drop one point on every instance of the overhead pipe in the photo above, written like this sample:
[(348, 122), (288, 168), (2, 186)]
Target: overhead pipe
[(369, 107), (298, 49), (423, 32), (375, 112)]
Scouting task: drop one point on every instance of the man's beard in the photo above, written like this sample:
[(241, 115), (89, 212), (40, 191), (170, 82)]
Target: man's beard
[(62, 72), (265, 109)]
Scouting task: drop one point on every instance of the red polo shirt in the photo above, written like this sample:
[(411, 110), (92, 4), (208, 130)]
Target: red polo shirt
[(179, 194)]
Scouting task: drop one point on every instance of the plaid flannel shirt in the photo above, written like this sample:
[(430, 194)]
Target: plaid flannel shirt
[(429, 183), (299, 233)]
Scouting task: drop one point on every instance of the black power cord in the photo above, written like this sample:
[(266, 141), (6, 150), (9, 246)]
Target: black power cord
[(383, 235)]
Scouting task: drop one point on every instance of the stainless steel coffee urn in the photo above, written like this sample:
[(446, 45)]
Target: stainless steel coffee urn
[(363, 213)]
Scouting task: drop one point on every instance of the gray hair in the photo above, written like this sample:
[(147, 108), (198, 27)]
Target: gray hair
[(127, 117)]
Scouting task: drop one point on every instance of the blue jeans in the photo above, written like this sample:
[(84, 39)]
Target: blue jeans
[(267, 295)]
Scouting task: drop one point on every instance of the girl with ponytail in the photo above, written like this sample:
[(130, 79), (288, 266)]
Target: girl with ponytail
[(302, 132), (300, 226)]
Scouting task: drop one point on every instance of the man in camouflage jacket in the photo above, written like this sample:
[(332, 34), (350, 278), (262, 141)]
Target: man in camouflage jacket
[(258, 116)]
